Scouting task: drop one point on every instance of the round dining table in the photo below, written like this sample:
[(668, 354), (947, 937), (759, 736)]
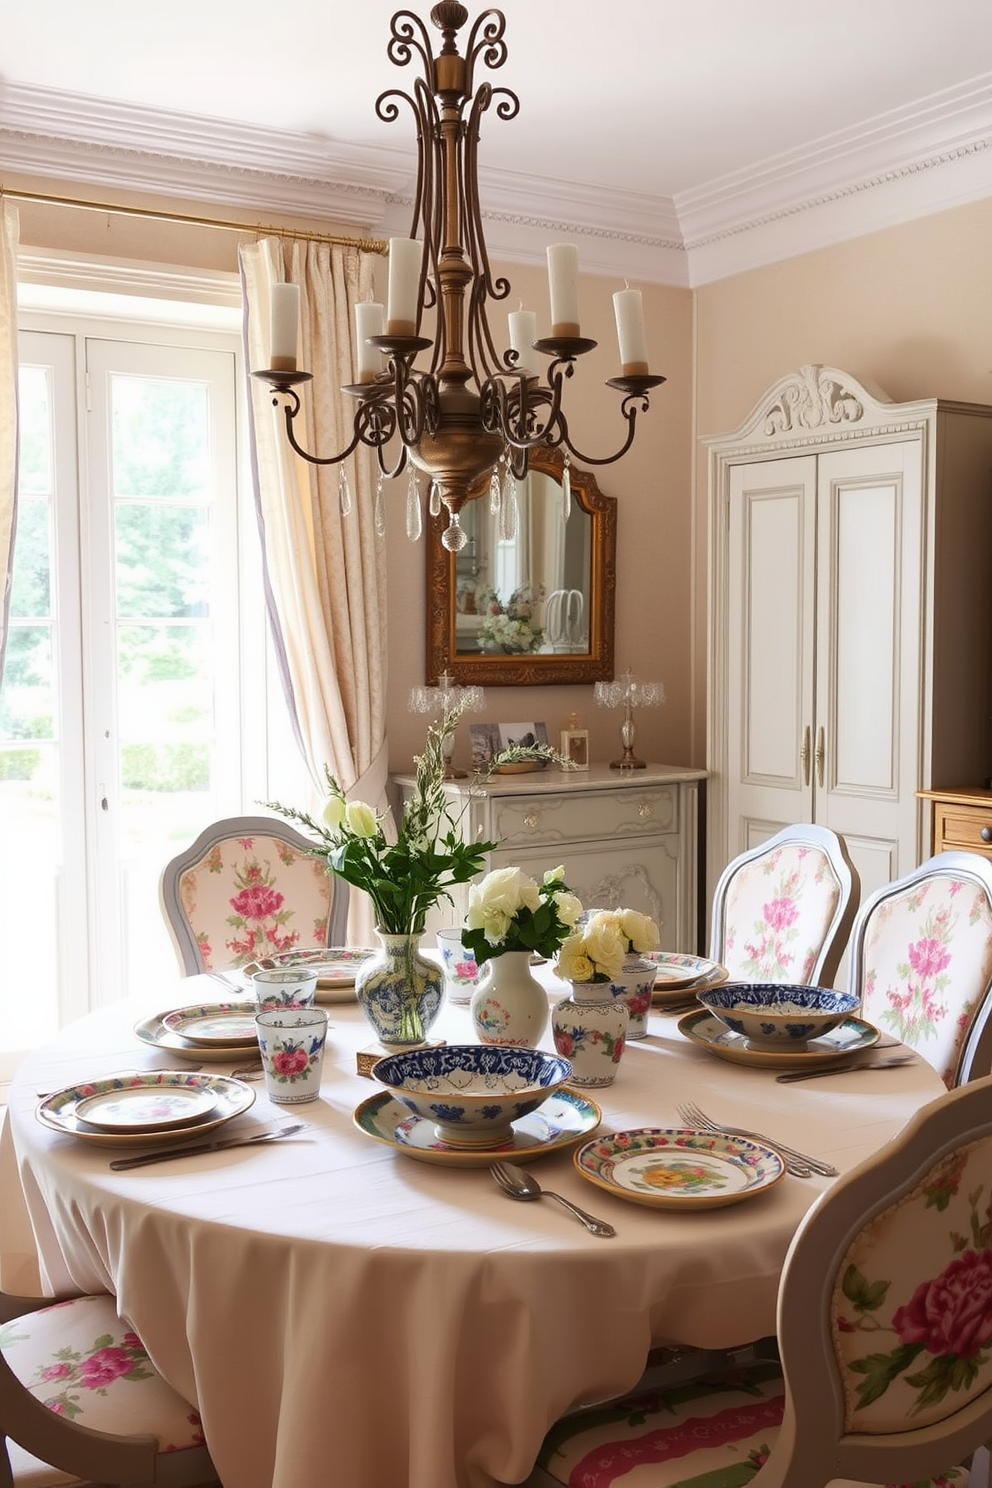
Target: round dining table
[(344, 1313)]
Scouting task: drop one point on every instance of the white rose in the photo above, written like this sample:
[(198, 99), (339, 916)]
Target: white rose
[(569, 908), (640, 930), (555, 875), (333, 813), (509, 889), (361, 819)]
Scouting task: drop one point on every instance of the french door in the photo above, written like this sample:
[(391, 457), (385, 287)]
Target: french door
[(120, 707)]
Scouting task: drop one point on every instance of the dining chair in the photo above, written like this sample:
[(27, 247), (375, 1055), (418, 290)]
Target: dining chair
[(782, 911), (884, 1327), (247, 887), (921, 962), (81, 1402)]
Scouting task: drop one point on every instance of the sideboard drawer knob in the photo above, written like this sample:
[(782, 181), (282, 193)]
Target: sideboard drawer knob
[(532, 821), (645, 811), (986, 834)]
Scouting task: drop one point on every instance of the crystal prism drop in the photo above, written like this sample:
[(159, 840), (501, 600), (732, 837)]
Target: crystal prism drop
[(566, 492), (380, 510), (435, 499), (344, 492), (414, 523), (454, 537), (508, 511), (494, 492)]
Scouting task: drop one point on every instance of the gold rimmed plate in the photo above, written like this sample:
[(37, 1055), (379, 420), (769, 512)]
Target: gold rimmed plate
[(335, 967), (679, 976), (559, 1123), (101, 1111), (679, 1167), (848, 1038), (219, 1024), (153, 1031)]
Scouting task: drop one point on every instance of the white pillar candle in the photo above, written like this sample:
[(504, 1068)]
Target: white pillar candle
[(405, 258), (628, 306), (284, 326), (563, 283), (523, 334), (368, 322)]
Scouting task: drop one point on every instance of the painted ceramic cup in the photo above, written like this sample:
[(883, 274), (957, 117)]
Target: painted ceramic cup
[(278, 987), (291, 1042), (460, 971)]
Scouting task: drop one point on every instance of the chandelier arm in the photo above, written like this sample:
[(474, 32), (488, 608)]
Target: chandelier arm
[(397, 469), (406, 28), (630, 414), (411, 404), (486, 36), (305, 454), (484, 285)]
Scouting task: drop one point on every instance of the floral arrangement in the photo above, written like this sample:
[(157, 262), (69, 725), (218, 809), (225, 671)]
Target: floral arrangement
[(510, 627), (509, 911), (406, 878), (597, 950)]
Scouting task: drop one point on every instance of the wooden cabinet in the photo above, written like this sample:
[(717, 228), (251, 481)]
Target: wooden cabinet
[(624, 838), (851, 659), (962, 820)]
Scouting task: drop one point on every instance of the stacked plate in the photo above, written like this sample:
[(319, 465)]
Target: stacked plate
[(144, 1108), (849, 1037), (223, 1032), (559, 1124), (679, 977), (335, 966)]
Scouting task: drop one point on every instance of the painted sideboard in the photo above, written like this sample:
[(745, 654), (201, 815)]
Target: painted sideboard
[(624, 838)]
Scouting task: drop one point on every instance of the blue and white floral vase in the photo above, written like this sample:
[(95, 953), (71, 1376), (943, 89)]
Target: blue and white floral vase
[(590, 1030), (635, 987), (509, 1005), (399, 991)]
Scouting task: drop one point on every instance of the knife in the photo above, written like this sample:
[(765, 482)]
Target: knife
[(843, 1069), (121, 1164)]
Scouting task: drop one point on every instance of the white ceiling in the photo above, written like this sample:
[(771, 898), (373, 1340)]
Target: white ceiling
[(675, 140)]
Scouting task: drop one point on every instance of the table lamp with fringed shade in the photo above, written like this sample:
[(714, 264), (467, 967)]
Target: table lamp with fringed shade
[(627, 693), (440, 700)]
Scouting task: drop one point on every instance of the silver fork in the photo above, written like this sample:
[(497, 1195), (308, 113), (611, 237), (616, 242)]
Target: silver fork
[(799, 1164)]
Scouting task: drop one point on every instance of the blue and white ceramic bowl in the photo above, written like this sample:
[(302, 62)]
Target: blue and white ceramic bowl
[(776, 1014), (472, 1092)]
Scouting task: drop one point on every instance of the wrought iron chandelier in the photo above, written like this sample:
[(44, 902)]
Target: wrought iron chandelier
[(473, 407)]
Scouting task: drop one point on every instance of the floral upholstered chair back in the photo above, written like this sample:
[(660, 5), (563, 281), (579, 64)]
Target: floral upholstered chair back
[(922, 960), (782, 911), (247, 888)]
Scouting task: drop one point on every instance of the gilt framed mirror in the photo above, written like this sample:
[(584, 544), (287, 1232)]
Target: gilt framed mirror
[(537, 608)]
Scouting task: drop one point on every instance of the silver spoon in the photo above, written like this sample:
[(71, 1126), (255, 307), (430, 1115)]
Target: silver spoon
[(520, 1185)]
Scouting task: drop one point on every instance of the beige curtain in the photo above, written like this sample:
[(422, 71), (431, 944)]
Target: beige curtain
[(8, 407), (325, 572)]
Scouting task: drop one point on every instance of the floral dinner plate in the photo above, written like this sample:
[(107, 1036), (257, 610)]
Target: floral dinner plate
[(153, 1031), (679, 1167), (335, 967), (563, 1120), (134, 1110), (218, 1024), (849, 1037)]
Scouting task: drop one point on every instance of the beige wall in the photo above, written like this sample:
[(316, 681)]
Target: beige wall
[(908, 309)]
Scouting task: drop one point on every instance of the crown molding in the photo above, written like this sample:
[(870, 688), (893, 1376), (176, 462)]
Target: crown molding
[(904, 164)]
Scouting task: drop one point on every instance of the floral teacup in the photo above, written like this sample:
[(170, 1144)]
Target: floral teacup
[(460, 971)]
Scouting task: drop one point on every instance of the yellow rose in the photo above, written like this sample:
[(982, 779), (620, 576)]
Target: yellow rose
[(605, 944), (640, 930), (361, 819), (573, 964), (334, 813)]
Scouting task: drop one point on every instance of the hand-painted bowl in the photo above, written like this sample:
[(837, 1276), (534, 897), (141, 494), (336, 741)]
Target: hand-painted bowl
[(472, 1092), (778, 1014)]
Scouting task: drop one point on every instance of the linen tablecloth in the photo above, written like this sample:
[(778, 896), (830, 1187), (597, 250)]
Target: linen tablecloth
[(343, 1314)]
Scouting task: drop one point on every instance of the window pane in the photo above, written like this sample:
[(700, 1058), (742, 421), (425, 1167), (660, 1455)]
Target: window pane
[(162, 561), (34, 420), (160, 438), (27, 699), (31, 590)]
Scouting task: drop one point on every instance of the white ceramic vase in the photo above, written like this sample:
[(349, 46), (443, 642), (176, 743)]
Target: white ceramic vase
[(635, 986), (509, 1005), (590, 1029)]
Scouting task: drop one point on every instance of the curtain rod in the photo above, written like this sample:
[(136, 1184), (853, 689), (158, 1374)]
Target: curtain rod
[(367, 245)]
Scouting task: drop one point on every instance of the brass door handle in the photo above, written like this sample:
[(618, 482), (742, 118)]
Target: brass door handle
[(804, 755), (819, 757)]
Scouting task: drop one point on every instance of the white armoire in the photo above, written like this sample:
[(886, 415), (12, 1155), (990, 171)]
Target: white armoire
[(850, 658)]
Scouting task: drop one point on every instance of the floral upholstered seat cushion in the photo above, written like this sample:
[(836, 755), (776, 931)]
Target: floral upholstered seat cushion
[(912, 1309), (715, 1432), (253, 896), (927, 963), (778, 912), (84, 1363)]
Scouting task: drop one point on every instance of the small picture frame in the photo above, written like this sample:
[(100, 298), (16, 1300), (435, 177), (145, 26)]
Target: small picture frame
[(575, 747)]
